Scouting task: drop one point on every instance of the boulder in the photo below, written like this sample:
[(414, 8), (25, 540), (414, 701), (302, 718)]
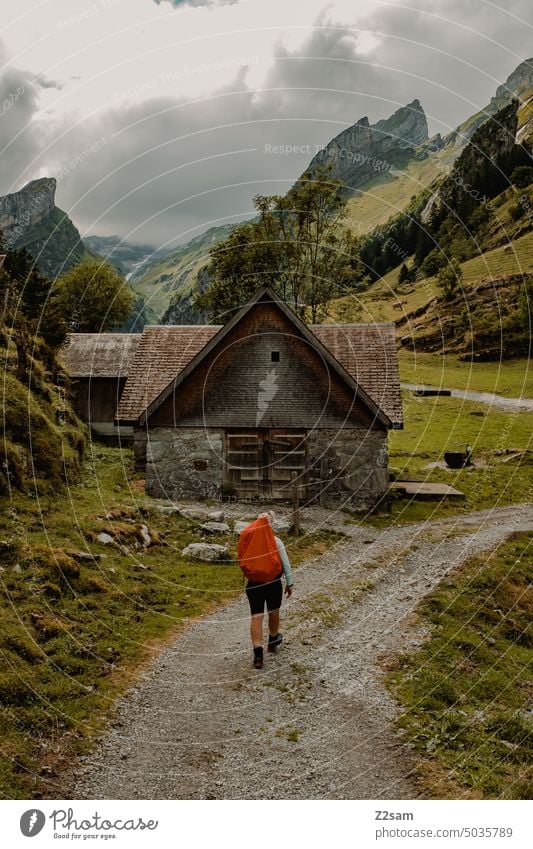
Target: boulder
[(105, 539), (84, 556), (206, 551), (215, 528), (146, 538), (216, 516), (194, 513), (239, 526), (168, 509)]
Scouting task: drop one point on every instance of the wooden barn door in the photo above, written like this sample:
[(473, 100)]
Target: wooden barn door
[(245, 463), (260, 463), (288, 457)]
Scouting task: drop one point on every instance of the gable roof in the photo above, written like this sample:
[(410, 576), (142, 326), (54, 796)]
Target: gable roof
[(99, 354), (364, 355), (163, 352), (268, 296), (368, 353)]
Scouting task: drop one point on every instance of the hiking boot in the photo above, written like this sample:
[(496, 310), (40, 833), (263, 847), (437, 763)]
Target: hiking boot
[(274, 642), (258, 657)]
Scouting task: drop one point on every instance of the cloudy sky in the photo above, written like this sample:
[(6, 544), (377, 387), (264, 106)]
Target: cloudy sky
[(157, 115)]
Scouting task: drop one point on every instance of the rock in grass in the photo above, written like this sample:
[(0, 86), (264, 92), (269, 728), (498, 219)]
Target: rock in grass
[(216, 516), (194, 513), (146, 538), (238, 527), (84, 556), (105, 539), (167, 509), (215, 528), (209, 552)]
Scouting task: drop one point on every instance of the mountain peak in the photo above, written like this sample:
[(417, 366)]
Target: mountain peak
[(517, 82), (30, 219), (42, 184), (365, 150), (407, 126)]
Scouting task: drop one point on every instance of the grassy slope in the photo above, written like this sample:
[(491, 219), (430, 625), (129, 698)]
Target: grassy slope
[(514, 258), (500, 475), (512, 378), (72, 636), (466, 694), (161, 280), (386, 195), (386, 300)]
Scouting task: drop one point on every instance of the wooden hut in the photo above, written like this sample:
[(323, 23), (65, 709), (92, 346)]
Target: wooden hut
[(98, 365), (246, 409)]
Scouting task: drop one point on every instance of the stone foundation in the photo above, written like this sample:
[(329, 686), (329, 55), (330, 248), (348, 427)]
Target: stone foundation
[(139, 448), (184, 462), (348, 467)]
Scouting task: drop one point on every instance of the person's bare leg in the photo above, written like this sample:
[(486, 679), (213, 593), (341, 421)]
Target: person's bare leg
[(256, 629), (273, 622)]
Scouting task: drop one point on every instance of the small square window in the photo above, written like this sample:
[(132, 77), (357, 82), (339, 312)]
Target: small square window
[(274, 356)]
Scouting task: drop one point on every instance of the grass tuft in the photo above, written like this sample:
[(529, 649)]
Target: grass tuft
[(466, 694)]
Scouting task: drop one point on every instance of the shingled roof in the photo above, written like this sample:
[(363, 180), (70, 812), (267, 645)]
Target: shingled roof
[(163, 352), (366, 351), (99, 354)]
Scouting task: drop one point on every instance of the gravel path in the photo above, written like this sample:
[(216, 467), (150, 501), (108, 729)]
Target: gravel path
[(316, 722), (512, 405)]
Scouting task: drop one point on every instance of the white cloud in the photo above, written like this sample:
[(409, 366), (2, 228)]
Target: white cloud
[(177, 3), (168, 100)]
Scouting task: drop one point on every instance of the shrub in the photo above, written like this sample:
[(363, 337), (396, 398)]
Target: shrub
[(522, 176)]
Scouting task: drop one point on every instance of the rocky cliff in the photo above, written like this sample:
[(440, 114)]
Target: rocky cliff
[(481, 171), (30, 219), (365, 150), (517, 85)]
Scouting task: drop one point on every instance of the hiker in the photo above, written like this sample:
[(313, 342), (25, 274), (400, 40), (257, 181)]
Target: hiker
[(263, 559)]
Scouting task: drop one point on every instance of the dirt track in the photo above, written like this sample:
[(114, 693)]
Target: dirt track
[(316, 722)]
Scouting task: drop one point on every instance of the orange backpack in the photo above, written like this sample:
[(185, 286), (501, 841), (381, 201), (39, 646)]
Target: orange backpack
[(258, 552)]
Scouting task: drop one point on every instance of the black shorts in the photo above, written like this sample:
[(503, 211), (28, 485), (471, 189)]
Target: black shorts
[(270, 594)]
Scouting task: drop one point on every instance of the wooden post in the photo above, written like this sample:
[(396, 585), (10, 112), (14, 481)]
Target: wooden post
[(324, 466), (295, 505)]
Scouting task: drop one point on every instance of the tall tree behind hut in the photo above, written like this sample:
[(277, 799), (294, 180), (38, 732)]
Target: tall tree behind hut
[(298, 245)]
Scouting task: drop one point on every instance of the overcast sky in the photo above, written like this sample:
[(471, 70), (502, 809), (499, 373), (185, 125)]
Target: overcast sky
[(156, 115)]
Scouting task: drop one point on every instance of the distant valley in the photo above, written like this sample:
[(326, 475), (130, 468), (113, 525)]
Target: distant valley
[(387, 168)]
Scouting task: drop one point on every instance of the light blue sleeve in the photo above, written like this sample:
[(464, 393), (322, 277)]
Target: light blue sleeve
[(285, 562)]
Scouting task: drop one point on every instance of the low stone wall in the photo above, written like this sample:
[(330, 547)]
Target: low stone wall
[(184, 462), (348, 467), (139, 448)]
